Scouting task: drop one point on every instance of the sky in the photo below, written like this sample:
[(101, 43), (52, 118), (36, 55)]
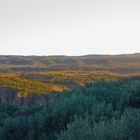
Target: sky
[(69, 27)]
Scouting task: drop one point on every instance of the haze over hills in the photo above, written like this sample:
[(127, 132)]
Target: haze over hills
[(125, 63)]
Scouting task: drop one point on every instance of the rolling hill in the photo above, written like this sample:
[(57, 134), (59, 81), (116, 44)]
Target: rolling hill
[(123, 64), (34, 76)]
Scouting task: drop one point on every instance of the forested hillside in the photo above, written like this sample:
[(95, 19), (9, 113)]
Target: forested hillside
[(90, 97), (103, 110)]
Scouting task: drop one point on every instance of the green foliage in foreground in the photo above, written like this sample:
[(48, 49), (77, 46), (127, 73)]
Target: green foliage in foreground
[(100, 111)]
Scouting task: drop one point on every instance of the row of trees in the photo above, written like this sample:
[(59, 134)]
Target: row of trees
[(100, 111)]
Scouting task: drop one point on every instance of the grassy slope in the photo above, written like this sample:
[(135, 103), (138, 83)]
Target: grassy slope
[(46, 82), (24, 86)]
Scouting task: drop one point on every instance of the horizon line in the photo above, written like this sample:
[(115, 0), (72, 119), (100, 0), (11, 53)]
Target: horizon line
[(70, 55)]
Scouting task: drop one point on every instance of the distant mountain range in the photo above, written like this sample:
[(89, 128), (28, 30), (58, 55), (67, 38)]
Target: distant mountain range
[(125, 63)]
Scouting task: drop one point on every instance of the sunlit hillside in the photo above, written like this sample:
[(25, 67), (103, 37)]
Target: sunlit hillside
[(121, 64)]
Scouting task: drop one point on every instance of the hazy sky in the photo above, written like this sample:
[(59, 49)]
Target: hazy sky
[(69, 27)]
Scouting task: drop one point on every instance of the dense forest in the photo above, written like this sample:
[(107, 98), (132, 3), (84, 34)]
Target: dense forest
[(102, 110)]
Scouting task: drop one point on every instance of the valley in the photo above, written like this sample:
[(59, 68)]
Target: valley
[(69, 98), (36, 76)]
